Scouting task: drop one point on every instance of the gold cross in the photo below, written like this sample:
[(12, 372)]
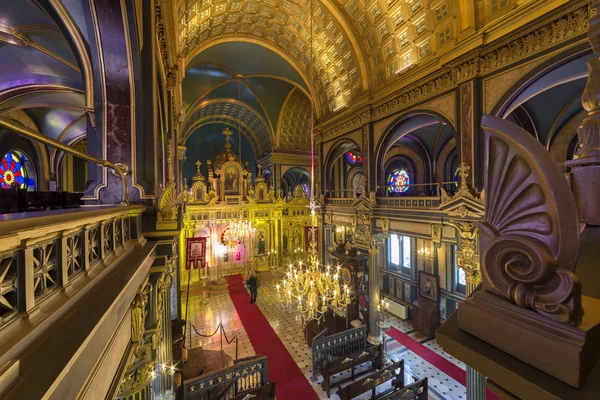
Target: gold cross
[(227, 133), (198, 164), (463, 171)]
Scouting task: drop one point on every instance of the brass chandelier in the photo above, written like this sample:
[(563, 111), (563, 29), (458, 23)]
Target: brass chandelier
[(238, 232), (313, 287)]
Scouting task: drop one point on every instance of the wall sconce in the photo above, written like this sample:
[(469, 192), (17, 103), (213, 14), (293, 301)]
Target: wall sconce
[(425, 252)]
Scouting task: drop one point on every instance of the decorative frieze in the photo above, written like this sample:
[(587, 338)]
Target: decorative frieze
[(575, 22), (347, 126)]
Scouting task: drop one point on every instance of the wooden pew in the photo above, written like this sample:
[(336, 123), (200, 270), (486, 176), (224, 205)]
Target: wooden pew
[(351, 361), (371, 381), (414, 391)]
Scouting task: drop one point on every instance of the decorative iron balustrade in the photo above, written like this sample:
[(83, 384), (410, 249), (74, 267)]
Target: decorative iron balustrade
[(328, 348), (228, 382), (410, 201), (41, 254)]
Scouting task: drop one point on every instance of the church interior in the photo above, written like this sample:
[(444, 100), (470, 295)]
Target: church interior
[(300, 199)]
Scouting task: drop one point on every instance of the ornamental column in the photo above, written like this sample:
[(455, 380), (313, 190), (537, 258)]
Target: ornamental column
[(468, 259), (585, 166), (376, 244)]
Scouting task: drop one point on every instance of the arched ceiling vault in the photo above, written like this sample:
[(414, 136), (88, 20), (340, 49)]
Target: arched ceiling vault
[(233, 113), (359, 45), (339, 69), (42, 80)]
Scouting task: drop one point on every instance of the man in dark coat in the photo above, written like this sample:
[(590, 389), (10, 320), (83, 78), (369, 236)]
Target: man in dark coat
[(252, 284)]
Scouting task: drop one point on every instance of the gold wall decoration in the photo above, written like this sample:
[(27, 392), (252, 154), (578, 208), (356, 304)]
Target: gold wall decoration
[(347, 126), (466, 256)]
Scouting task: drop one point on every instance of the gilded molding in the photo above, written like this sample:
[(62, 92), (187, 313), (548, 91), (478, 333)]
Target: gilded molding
[(574, 21), (347, 126)]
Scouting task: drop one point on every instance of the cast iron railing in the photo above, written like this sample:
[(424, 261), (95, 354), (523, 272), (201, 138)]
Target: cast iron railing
[(229, 382), (325, 349)]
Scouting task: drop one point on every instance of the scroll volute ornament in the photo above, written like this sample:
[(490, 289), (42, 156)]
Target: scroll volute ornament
[(530, 237)]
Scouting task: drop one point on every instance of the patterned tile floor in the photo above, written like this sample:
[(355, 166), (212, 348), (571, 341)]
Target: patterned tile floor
[(288, 327)]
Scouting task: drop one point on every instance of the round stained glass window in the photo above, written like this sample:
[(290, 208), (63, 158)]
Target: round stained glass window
[(13, 171), (398, 181)]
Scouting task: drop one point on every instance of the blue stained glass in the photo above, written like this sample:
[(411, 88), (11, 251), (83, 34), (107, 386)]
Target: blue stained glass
[(398, 181)]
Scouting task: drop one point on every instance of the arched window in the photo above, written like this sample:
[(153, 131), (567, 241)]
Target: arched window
[(398, 181), (16, 168)]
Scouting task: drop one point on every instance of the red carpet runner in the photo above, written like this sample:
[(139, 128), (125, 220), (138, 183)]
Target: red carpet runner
[(433, 358), (290, 382)]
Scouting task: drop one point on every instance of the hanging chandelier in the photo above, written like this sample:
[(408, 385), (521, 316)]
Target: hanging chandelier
[(312, 287), (238, 232)]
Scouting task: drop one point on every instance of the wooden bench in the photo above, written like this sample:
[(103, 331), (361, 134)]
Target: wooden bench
[(414, 391), (374, 379), (351, 361), (266, 392)]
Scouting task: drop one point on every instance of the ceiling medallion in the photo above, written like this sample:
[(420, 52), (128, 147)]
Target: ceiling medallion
[(8, 36)]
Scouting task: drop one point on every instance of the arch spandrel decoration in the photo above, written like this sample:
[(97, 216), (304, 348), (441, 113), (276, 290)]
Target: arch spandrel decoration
[(530, 238), (293, 130)]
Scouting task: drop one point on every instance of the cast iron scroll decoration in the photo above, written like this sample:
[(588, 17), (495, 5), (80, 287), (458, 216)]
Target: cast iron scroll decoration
[(530, 237)]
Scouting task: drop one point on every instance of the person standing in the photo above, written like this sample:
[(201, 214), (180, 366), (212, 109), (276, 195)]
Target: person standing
[(252, 284)]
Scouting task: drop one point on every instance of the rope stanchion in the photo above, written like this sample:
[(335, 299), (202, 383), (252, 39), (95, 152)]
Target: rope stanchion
[(220, 329)]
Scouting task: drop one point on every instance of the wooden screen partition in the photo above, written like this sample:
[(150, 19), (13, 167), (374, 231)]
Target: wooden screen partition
[(341, 344)]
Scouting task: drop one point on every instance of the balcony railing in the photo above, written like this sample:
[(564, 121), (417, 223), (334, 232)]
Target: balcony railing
[(417, 195), (43, 253)]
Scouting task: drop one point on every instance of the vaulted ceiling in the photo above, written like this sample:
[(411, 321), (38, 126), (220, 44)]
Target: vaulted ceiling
[(251, 88), (41, 84), (358, 48)]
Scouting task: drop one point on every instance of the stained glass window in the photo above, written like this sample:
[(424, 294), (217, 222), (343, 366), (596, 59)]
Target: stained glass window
[(13, 170), (353, 158), (398, 181)]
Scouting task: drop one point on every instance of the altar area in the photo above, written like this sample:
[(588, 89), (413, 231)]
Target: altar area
[(227, 196)]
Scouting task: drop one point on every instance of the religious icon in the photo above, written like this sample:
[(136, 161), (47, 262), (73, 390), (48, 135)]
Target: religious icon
[(232, 176), (285, 240), (196, 250), (346, 276), (261, 243), (428, 286)]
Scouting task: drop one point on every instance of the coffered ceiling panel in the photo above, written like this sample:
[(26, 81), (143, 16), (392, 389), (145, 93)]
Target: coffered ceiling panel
[(284, 25)]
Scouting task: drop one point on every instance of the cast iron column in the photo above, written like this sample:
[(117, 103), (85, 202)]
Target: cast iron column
[(475, 380), (374, 331)]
